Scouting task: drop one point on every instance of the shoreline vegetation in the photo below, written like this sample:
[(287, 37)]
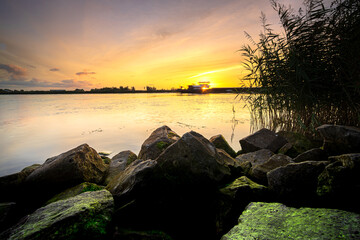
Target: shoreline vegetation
[(309, 74), (279, 185)]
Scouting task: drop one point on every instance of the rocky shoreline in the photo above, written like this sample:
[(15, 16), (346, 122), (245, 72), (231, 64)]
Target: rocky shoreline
[(280, 186)]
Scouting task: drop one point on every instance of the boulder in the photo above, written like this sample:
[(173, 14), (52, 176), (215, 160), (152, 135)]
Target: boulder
[(7, 218), (131, 182), (236, 167), (276, 221), (259, 171), (12, 184), (74, 191), (193, 159), (127, 234), (157, 142), (118, 164), (339, 183), (340, 139), (81, 164), (314, 154), (262, 139), (296, 181), (85, 216), (220, 142), (255, 158), (234, 198), (297, 144)]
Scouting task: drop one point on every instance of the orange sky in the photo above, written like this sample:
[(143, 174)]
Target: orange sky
[(92, 44)]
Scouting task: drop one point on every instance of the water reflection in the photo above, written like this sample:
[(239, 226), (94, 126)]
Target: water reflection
[(36, 127)]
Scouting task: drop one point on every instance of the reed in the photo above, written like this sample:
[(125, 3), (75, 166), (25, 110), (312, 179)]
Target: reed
[(310, 74)]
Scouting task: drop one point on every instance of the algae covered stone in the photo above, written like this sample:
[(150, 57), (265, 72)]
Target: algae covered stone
[(276, 221), (85, 216)]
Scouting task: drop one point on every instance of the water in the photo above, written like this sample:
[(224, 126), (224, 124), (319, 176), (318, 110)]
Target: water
[(36, 127)]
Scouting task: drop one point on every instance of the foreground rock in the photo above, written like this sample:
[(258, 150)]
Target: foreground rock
[(339, 183), (74, 191), (315, 154), (297, 144), (276, 221), (235, 197), (85, 216), (255, 158), (132, 182), (220, 142), (262, 139), (81, 164), (340, 139), (12, 184), (158, 141), (193, 159), (259, 172), (118, 164), (296, 181)]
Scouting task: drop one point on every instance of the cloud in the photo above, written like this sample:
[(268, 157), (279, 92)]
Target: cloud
[(14, 71), (85, 73), (36, 83), (54, 69)]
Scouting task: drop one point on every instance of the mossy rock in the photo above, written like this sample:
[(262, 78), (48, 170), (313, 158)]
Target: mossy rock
[(126, 234), (276, 221), (78, 189), (298, 144), (85, 216), (220, 142)]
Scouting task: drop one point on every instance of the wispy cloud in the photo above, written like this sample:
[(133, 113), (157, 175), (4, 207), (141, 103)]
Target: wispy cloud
[(217, 70), (37, 83), (54, 69), (14, 71), (85, 73)]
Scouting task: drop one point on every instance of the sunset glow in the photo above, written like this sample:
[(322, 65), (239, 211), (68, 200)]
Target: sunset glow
[(94, 44)]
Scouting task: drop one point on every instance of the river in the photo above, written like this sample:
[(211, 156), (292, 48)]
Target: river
[(36, 127)]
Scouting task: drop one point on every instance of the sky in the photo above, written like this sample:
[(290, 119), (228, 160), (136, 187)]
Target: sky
[(69, 44)]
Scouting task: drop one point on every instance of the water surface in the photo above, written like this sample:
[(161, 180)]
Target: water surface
[(36, 127)]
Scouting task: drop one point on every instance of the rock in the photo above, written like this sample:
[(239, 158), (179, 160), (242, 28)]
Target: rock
[(158, 141), (118, 164), (134, 180), (259, 171), (236, 167), (235, 197), (193, 159), (12, 184), (126, 234), (74, 191), (85, 216), (297, 144), (315, 154), (296, 181), (220, 142), (276, 221), (340, 139), (255, 158), (262, 139), (81, 164), (7, 210), (339, 183)]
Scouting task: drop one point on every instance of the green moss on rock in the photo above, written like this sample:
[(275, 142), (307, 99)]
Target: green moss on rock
[(85, 216), (162, 145), (276, 221), (78, 189)]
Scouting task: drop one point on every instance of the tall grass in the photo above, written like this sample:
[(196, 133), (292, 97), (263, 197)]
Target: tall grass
[(309, 74)]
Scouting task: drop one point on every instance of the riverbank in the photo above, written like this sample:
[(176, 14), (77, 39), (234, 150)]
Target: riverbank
[(190, 187), (128, 91)]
